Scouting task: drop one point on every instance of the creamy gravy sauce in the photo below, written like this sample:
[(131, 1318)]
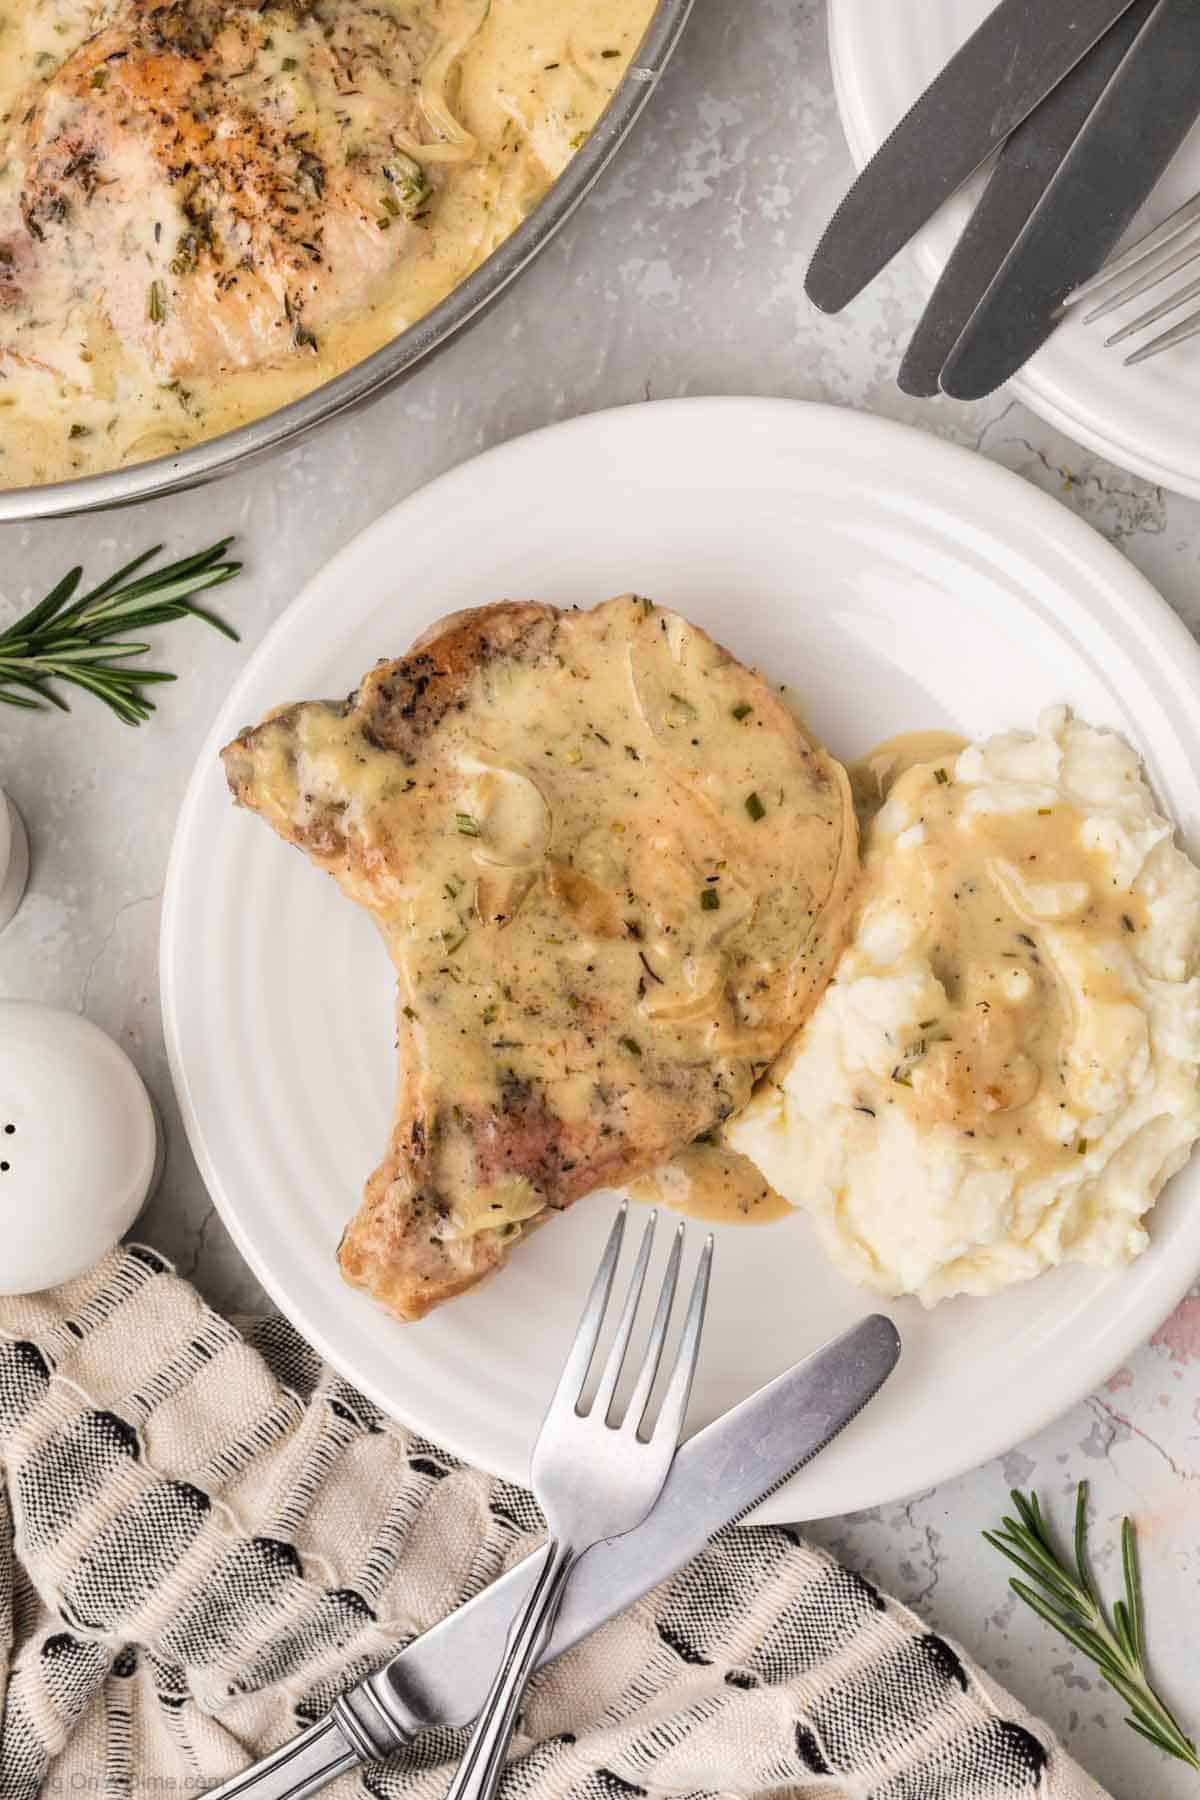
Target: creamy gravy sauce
[(874, 775), (1030, 938), (610, 888), (712, 1183), (530, 81)]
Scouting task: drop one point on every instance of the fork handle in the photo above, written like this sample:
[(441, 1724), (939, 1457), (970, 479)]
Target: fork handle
[(479, 1772)]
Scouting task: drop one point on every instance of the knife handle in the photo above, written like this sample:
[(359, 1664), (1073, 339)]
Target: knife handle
[(301, 1767), (356, 1730)]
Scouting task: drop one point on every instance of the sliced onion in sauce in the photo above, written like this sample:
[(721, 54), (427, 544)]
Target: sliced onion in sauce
[(513, 814)]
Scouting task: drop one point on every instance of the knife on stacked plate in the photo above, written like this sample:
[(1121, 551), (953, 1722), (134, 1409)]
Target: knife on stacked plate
[(1082, 105)]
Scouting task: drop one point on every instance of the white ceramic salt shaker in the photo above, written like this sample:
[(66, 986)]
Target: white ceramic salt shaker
[(80, 1148), (14, 859)]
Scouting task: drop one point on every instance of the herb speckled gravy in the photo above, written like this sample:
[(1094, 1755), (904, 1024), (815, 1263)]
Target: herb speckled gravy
[(999, 900), (712, 1183)]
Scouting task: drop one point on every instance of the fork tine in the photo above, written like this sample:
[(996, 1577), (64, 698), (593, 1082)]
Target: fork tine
[(1151, 317), (1178, 334), (616, 1356), (640, 1397), (1158, 272), (579, 1359), (1137, 252), (675, 1401)]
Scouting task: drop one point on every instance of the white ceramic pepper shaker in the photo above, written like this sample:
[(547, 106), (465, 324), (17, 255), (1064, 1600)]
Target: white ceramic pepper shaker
[(14, 859), (80, 1148)]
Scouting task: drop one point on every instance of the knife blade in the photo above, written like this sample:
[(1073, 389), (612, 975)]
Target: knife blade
[(1023, 171), (1019, 54), (718, 1476), (1141, 120)]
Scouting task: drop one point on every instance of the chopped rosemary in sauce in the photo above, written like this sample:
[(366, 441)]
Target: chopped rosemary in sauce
[(410, 182), (915, 1052), (652, 973), (941, 777), (630, 1044), (156, 305), (710, 900), (743, 711), (755, 807), (467, 825)]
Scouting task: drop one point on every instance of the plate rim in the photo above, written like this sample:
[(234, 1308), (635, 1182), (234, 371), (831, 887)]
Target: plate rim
[(1032, 385), (1175, 641)]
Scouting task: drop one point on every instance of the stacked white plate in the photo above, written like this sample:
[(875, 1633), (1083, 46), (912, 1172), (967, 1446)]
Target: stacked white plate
[(1147, 418)]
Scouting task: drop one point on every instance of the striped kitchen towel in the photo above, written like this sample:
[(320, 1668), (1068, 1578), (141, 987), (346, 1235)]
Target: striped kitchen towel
[(205, 1535)]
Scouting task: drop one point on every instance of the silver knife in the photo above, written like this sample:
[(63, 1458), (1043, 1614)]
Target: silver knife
[(1023, 172), (1019, 54), (1144, 115), (442, 1677)]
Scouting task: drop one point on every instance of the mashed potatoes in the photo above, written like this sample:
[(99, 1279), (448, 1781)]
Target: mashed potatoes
[(1004, 1070)]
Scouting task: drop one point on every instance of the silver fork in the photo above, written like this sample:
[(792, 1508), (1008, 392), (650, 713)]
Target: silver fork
[(593, 1479), (1153, 259)]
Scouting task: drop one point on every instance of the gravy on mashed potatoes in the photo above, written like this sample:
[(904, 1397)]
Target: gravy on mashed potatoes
[(1003, 1072)]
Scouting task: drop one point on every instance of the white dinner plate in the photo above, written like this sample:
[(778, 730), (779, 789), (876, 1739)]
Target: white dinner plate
[(1146, 419), (893, 581)]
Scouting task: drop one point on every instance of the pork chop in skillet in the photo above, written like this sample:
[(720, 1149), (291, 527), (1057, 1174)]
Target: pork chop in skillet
[(610, 869)]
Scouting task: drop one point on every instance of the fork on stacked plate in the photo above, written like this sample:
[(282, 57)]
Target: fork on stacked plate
[(1149, 264)]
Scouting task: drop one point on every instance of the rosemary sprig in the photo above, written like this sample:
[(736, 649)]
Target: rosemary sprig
[(82, 640), (1069, 1601)]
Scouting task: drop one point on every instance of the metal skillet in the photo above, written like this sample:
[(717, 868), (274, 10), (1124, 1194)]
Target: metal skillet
[(389, 365)]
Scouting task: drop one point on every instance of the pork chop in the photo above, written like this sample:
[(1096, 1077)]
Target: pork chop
[(610, 868), (223, 180)]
